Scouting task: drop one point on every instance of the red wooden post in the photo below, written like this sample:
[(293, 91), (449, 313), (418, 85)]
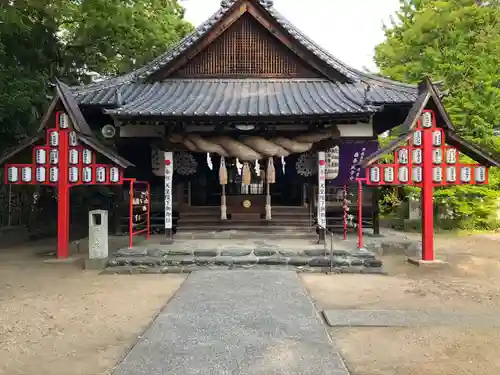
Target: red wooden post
[(148, 224), (63, 196), (346, 208), (427, 197), (131, 214), (360, 212)]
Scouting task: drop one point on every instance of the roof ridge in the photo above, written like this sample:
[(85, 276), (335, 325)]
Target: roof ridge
[(349, 72)]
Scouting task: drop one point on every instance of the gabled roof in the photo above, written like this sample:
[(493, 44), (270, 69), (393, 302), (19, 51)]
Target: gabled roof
[(80, 126), (227, 6), (429, 99)]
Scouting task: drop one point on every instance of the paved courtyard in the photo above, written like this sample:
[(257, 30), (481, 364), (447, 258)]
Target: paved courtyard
[(60, 320)]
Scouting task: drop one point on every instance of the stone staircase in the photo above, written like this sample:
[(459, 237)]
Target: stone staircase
[(205, 222)]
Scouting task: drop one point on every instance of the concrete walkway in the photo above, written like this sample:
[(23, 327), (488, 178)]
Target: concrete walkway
[(241, 322)]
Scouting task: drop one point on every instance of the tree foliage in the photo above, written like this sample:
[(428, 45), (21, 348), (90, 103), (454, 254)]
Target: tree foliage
[(456, 41), (41, 40)]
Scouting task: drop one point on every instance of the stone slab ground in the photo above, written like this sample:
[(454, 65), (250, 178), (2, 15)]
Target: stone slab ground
[(407, 318), (240, 322)]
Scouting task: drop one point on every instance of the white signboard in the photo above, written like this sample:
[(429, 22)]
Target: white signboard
[(321, 189), (332, 163), (169, 174)]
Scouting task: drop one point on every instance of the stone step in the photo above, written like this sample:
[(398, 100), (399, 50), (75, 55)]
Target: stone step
[(247, 227), (214, 233), (168, 260), (246, 221)]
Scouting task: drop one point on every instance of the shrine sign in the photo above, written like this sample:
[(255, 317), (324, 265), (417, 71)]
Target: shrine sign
[(427, 162)]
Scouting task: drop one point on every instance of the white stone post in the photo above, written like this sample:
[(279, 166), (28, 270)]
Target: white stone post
[(98, 234)]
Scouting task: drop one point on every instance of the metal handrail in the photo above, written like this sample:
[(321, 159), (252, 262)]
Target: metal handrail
[(328, 231)]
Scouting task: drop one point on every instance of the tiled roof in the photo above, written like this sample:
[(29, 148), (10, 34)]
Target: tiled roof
[(242, 97), (161, 61)]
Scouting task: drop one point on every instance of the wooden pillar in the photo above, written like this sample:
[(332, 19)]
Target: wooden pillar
[(223, 179), (321, 201), (223, 203), (268, 201), (169, 174)]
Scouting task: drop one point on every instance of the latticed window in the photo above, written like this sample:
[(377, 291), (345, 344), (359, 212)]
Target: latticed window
[(246, 49)]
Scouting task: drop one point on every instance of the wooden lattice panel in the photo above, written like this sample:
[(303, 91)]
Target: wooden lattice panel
[(246, 49)]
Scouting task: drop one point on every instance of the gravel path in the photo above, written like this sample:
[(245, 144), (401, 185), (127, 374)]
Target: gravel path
[(236, 322)]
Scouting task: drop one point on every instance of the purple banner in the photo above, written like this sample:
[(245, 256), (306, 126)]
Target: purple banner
[(350, 154)]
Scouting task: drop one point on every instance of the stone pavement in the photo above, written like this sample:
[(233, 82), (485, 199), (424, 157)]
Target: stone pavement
[(243, 322), (401, 318)]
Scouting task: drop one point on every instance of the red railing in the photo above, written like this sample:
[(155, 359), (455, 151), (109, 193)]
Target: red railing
[(139, 219)]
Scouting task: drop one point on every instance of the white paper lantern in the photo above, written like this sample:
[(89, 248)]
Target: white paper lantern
[(73, 174), (41, 156), (437, 174), (54, 138), (26, 174), (437, 138), (480, 174), (87, 174), (375, 174), (437, 156), (465, 174), (54, 156), (417, 174), (54, 174), (114, 174), (87, 156), (417, 156), (100, 174), (73, 156), (389, 174), (403, 174), (13, 174), (72, 139), (40, 174), (403, 155), (63, 120), (451, 174), (426, 120), (417, 138), (451, 155)]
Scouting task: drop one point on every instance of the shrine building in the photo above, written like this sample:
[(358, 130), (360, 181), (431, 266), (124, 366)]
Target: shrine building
[(244, 104)]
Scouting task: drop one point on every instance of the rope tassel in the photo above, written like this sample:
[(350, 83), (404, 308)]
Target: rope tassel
[(271, 173), (222, 171), (247, 176)]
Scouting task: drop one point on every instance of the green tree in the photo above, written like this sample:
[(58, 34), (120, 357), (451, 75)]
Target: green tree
[(115, 36), (41, 40), (29, 56), (456, 41)]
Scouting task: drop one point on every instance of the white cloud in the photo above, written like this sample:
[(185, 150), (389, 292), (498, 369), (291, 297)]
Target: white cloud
[(348, 29)]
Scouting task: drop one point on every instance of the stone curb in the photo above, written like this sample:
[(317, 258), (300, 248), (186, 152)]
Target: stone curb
[(400, 318)]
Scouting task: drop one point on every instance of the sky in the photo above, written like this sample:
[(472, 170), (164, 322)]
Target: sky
[(348, 29)]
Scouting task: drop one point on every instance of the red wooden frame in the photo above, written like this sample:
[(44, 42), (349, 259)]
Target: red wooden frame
[(62, 142), (131, 224), (428, 166)]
